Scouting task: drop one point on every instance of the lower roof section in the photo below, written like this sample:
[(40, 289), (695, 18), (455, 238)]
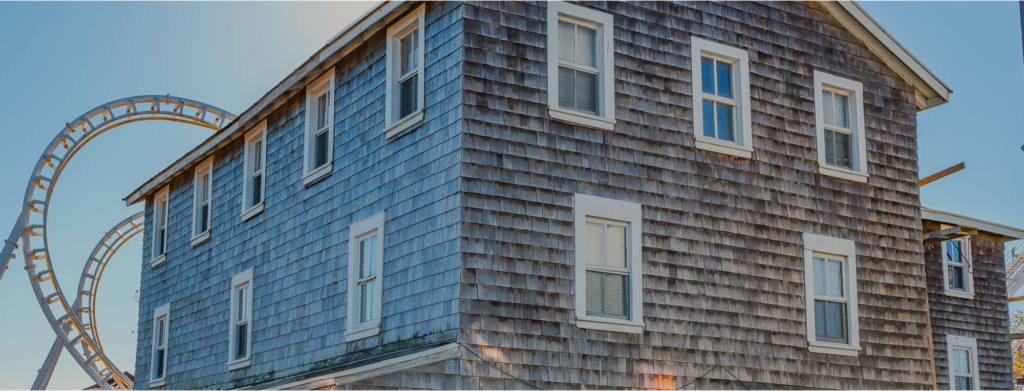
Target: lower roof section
[(1008, 232)]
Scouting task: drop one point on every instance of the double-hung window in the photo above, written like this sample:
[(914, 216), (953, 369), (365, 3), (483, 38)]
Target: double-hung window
[(319, 146), (962, 359), (161, 326), (201, 208), (366, 250), (405, 78), (839, 116), (956, 265), (240, 332), (254, 184), (721, 98), (608, 264), (160, 214), (830, 271), (580, 67)]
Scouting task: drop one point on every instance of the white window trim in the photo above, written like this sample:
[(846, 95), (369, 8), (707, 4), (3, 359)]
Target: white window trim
[(603, 208), (962, 342), (605, 64), (837, 247), (160, 312), (744, 145), (204, 167), (157, 260), (965, 244), (355, 330), (259, 131), (396, 126), (242, 278), (823, 81), (322, 83)]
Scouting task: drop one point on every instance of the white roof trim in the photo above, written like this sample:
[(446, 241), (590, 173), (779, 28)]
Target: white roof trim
[(1010, 233), (438, 354), (931, 91)]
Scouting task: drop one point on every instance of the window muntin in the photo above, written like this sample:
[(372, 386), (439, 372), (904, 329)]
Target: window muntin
[(405, 79), (721, 92), (578, 75), (839, 115), (254, 183), (366, 265), (240, 315), (580, 66), (830, 300), (161, 325), (960, 366), (202, 196), (607, 269)]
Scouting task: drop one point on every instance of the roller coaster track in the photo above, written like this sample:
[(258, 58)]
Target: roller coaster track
[(65, 318)]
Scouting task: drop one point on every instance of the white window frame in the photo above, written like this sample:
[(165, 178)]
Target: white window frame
[(953, 341), (161, 312), (162, 195), (373, 225), (239, 280), (855, 91), (743, 146), (205, 167), (965, 248), (587, 206), (323, 84), (841, 248), (604, 60), (394, 126), (259, 132)]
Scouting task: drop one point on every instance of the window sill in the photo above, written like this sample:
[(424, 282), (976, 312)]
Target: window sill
[(252, 212), (201, 238), (723, 147), (963, 295), (361, 333), (399, 127), (238, 364), (592, 121), (156, 383), (158, 261), (609, 324), (842, 173), (317, 174), (833, 348)]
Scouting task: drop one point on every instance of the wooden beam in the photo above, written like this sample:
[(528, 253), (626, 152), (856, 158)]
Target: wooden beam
[(1017, 336), (1013, 299), (936, 176), (951, 233)]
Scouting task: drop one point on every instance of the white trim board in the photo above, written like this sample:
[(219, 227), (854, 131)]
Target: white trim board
[(1010, 233)]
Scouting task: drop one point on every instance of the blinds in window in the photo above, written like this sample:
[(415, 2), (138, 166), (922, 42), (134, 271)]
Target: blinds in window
[(607, 277), (577, 72)]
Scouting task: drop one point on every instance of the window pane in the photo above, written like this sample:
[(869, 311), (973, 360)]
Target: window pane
[(842, 150), (257, 190), (963, 383), (707, 75), (321, 111), (616, 289), (586, 92), (204, 218), (566, 41), (957, 277), (820, 321), (240, 339), (709, 118), (366, 299), (242, 313), (724, 72), (409, 101), (566, 88), (595, 244), (835, 278), (965, 360), (159, 364), (836, 315), (842, 114), (725, 122), (320, 149), (953, 253), (820, 285), (257, 156), (826, 103), (616, 248), (368, 257), (161, 238), (160, 332), (595, 292), (409, 47), (585, 46)]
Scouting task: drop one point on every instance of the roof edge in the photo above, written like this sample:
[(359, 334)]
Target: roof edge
[(955, 219)]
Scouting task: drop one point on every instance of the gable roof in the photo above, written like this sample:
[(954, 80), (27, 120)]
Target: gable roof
[(930, 91)]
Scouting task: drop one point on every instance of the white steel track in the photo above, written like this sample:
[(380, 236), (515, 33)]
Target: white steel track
[(75, 336)]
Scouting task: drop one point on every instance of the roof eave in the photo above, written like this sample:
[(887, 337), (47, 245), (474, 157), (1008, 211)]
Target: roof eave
[(1008, 232)]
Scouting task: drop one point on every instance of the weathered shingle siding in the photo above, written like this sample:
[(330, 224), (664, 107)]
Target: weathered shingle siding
[(299, 243), (722, 247), (985, 318)]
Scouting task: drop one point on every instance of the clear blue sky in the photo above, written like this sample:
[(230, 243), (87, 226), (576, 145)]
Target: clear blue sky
[(59, 60)]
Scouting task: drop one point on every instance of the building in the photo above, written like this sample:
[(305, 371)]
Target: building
[(523, 195)]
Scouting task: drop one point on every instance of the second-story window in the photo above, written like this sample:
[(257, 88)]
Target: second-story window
[(956, 262), (319, 124), (405, 79), (721, 98), (366, 250), (202, 194), (580, 67), (160, 216), (839, 116), (161, 325), (240, 332), (254, 183)]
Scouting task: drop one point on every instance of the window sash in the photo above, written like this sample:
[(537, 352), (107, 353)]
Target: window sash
[(162, 206), (832, 104), (414, 56), (255, 166)]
